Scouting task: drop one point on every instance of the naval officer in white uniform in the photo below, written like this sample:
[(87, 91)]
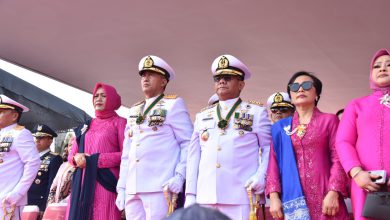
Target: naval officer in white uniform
[(154, 156), (19, 159), (229, 148)]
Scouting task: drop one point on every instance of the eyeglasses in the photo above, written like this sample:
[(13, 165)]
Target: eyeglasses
[(307, 85), (226, 78), (280, 109)]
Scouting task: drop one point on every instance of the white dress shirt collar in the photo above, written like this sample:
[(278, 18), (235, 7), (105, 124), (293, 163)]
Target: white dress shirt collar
[(227, 105), (43, 152), (150, 101)]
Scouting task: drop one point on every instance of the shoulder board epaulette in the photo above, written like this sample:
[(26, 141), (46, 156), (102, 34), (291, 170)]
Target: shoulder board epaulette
[(18, 127), (256, 103), (208, 107), (170, 96), (138, 103)]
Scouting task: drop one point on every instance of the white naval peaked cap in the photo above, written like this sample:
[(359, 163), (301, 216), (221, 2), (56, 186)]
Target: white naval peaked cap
[(157, 65), (279, 99), (213, 99), (229, 65), (8, 103)]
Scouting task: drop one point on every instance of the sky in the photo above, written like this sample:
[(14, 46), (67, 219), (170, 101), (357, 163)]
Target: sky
[(59, 89)]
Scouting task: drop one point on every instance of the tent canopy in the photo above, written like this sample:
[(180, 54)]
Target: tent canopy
[(84, 42), (44, 107)]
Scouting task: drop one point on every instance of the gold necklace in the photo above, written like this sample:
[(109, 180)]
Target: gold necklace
[(301, 130)]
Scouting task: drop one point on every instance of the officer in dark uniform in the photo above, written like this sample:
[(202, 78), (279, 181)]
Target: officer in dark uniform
[(50, 162)]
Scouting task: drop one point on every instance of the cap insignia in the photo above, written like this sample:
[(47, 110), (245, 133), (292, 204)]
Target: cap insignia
[(39, 127), (223, 63), (278, 98), (148, 62)]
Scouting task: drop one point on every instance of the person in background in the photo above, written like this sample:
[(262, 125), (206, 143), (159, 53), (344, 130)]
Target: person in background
[(61, 187), (50, 162), (19, 159), (228, 152), (96, 155), (363, 142), (213, 99), (197, 212), (279, 105), (157, 135), (304, 176)]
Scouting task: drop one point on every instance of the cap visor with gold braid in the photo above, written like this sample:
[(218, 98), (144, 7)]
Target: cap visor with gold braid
[(149, 66), (225, 69), (280, 102)]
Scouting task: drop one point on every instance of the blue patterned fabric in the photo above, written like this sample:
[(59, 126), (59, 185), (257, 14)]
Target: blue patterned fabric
[(293, 200)]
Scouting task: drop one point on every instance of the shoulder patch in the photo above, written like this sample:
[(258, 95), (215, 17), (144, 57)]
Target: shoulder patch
[(256, 103), (170, 96), (138, 103), (18, 127), (208, 107)]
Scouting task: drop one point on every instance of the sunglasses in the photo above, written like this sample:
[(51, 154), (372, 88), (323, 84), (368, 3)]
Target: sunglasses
[(226, 78), (307, 85), (280, 109)]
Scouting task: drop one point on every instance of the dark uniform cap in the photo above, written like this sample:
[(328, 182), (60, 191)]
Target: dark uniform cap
[(41, 130)]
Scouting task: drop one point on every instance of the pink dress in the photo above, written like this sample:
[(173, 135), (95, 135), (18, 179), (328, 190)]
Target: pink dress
[(318, 165), (363, 140), (105, 136)]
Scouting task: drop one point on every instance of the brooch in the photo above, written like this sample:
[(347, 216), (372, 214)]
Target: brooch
[(84, 129), (385, 100)]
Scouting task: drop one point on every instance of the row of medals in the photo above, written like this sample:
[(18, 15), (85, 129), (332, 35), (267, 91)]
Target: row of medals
[(242, 122), (43, 168), (5, 145), (156, 118)]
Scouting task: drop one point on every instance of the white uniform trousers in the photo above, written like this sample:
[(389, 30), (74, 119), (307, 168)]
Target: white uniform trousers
[(17, 213), (236, 212), (146, 206)]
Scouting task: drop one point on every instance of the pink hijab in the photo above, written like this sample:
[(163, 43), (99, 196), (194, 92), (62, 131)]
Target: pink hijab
[(374, 86), (113, 101)]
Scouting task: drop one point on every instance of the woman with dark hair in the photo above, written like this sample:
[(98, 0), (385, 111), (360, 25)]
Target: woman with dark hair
[(96, 154), (305, 179), (363, 141)]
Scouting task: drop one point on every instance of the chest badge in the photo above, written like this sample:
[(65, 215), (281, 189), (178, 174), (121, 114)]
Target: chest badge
[(130, 134), (205, 135)]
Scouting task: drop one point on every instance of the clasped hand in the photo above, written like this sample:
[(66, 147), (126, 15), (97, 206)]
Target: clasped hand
[(80, 160)]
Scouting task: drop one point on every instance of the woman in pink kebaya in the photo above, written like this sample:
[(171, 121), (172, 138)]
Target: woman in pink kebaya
[(305, 179), (363, 142), (96, 154)]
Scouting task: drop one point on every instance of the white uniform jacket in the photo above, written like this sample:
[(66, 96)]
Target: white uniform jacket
[(152, 154), (19, 163), (219, 165)]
